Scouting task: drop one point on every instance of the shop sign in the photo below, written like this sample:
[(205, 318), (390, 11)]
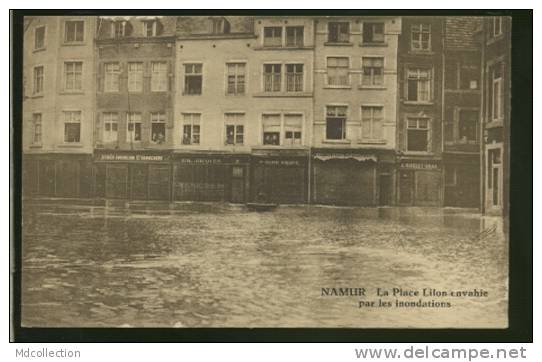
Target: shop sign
[(419, 165), (201, 161), (345, 156), (289, 163), (130, 157)]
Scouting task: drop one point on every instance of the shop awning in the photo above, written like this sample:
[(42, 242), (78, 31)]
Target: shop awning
[(359, 158)]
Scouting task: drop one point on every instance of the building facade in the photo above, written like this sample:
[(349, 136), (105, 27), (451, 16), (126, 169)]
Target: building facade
[(496, 114), (355, 97), (419, 126), (58, 105), (461, 111)]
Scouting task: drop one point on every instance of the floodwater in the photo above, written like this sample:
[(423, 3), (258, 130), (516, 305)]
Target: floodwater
[(220, 265)]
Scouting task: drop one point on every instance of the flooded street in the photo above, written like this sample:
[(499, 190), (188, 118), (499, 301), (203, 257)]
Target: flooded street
[(220, 265)]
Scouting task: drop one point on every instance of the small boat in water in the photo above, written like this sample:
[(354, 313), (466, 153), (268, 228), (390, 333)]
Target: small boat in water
[(261, 206)]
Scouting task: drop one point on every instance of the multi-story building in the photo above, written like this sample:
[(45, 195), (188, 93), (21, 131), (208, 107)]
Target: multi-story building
[(58, 105), (243, 105), (135, 92), (355, 97), (419, 131), (461, 111), (496, 113)]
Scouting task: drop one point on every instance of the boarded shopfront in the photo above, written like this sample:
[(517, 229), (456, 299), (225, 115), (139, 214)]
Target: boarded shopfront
[(279, 176), (134, 175), (210, 177), (57, 175), (346, 177), (419, 182)]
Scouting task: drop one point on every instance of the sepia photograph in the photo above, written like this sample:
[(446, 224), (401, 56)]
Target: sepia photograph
[(265, 171)]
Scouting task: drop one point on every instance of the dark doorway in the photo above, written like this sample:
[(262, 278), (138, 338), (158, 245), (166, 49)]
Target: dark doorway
[(406, 187), (385, 191)]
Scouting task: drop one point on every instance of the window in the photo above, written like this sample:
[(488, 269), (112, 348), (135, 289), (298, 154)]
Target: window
[(121, 29), (338, 32), (159, 79), (337, 71), (336, 122), (293, 124), (420, 37), (111, 122), (73, 74), (497, 93), (496, 26), (72, 126), (468, 126), (294, 77), (236, 78), (272, 36), (152, 28), (39, 38), (38, 80), (373, 32), (219, 26), (272, 77), (133, 127), (193, 78), (418, 134), (468, 76), (135, 77), (158, 127), (111, 81), (271, 129), (191, 128), (373, 71), (73, 31), (294, 36), (371, 122), (235, 128), (419, 85), (36, 122)]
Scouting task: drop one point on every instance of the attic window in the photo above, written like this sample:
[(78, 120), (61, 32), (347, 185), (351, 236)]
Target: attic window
[(152, 28), (121, 29), (219, 26)]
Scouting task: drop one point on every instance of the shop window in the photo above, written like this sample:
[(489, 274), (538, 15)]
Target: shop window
[(373, 32), (191, 128), (338, 32), (336, 122), (293, 124), (36, 122), (294, 36), (152, 28), (73, 31), (235, 128), (73, 74), (272, 36), (294, 77), (158, 127), (38, 80), (497, 101), (159, 79), (193, 78), (371, 122), (419, 85), (110, 123), (236, 78), (468, 126), (72, 126), (135, 77), (111, 77), (420, 36), (373, 71), (418, 134), (337, 71), (133, 123), (39, 38), (271, 129), (272, 77)]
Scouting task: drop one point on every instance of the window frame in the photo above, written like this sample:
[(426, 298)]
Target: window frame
[(130, 81), (37, 120), (43, 45), (158, 118), (236, 76), (184, 123), (295, 28), (74, 74), (500, 98), (373, 24), (154, 28), (186, 75), (134, 122), (372, 75), (38, 81), (115, 74), (429, 131), (338, 36), (110, 121), (373, 119), (238, 121), (65, 123), (262, 133), (344, 133), (273, 44), (272, 75), (420, 33), (418, 79), (286, 130), (75, 41), (301, 82), (159, 84), (348, 72)]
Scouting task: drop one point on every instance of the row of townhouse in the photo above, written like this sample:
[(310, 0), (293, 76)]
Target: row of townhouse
[(333, 110)]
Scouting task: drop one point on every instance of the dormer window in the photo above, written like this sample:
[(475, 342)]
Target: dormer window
[(152, 28), (121, 29), (219, 26)]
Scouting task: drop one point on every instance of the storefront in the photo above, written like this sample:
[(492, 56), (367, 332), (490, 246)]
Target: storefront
[(279, 176), (419, 182), (210, 177), (57, 175), (134, 175), (350, 177), (461, 180)]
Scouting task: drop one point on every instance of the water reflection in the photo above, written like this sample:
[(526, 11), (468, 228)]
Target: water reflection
[(198, 265)]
